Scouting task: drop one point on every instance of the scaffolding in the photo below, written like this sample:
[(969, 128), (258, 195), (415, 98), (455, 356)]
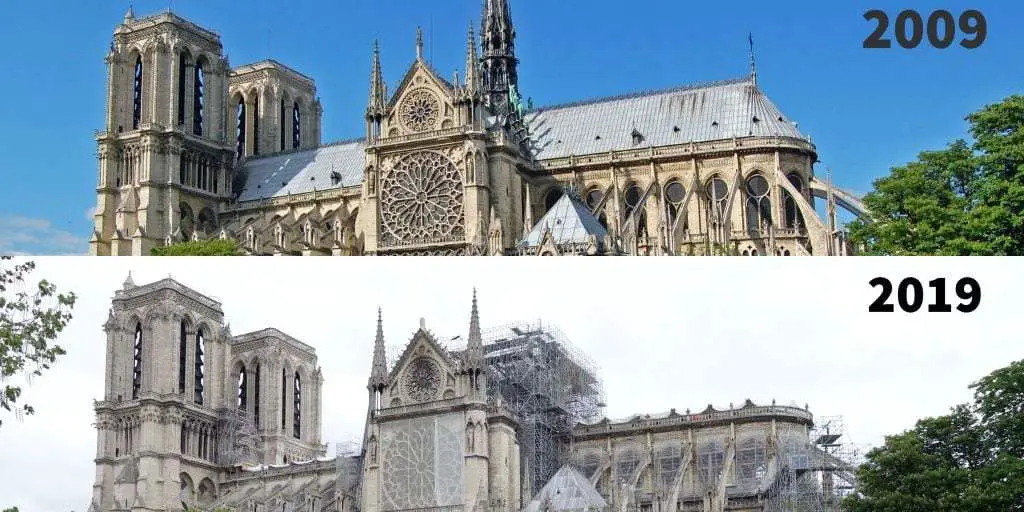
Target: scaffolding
[(549, 385), (817, 473), (238, 439)]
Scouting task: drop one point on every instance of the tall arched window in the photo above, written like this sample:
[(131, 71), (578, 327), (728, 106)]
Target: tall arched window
[(198, 90), (631, 200), (256, 396), (296, 123), (200, 359), (137, 362), (137, 94), (594, 198), (674, 195), (793, 216), (242, 383), (552, 197), (282, 118), (182, 73), (256, 124), (759, 204), (182, 356), (296, 424), (284, 397), (716, 193), (240, 129)]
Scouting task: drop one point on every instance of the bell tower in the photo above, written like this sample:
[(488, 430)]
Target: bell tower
[(164, 156)]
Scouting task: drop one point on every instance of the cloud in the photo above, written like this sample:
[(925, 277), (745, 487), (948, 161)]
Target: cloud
[(21, 235)]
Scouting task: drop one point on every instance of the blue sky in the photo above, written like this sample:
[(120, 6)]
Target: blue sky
[(867, 110)]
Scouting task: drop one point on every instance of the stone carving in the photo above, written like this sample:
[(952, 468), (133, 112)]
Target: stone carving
[(421, 198), (423, 380), (420, 110)]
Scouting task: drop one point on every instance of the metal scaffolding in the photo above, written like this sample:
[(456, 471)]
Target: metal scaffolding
[(549, 385), (816, 474), (238, 439)]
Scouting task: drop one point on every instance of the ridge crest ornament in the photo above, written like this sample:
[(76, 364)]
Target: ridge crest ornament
[(420, 110), (421, 199)]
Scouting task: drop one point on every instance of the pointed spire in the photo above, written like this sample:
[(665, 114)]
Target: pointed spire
[(419, 44), (474, 347), (472, 62), (499, 63), (129, 283), (375, 107), (753, 62), (378, 375), (129, 16)]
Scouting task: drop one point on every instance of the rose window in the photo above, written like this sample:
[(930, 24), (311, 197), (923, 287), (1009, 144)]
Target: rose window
[(423, 380), (421, 199), (420, 110)]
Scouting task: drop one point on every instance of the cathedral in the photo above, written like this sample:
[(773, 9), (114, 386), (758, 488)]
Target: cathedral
[(506, 419), (196, 149)]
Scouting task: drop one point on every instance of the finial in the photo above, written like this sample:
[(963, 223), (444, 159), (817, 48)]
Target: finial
[(129, 283), (419, 44), (130, 15), (753, 62), (423, 323)]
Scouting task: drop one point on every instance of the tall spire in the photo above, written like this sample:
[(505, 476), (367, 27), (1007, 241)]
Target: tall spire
[(379, 373), (498, 39), (753, 62), (375, 107), (475, 346), (472, 62)]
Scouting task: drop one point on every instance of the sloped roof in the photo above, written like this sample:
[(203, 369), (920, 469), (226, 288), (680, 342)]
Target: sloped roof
[(568, 490), (696, 113), (302, 171), (569, 221)]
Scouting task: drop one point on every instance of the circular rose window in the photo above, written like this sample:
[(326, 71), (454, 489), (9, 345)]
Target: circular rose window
[(422, 380), (420, 110), (421, 199)]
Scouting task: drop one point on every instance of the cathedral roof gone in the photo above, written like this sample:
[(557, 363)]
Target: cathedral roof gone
[(716, 111), (569, 221), (327, 167)]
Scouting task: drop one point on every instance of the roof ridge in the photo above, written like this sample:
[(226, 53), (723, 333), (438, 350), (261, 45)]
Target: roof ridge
[(255, 158), (648, 92)]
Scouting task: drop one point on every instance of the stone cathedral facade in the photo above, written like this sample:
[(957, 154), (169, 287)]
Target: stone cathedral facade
[(193, 148), (193, 415)]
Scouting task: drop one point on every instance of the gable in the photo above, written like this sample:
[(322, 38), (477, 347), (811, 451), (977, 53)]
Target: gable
[(423, 102), (424, 373)]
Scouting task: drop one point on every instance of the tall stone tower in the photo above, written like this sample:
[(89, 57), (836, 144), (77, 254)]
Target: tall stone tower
[(157, 423), (185, 401), (165, 159)]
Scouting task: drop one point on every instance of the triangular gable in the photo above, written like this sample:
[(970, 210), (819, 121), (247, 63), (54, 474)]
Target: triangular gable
[(567, 491), (429, 72), (422, 337), (569, 221)]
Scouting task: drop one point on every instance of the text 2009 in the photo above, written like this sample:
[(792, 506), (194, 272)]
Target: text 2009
[(941, 29)]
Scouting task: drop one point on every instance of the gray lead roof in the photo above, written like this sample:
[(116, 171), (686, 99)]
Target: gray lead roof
[(716, 111), (303, 171), (569, 221)]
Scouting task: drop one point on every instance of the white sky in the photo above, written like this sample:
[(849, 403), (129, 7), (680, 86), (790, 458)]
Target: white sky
[(666, 332)]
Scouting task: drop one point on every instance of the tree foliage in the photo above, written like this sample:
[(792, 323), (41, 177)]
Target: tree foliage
[(30, 319), (963, 200), (967, 460), (214, 247)]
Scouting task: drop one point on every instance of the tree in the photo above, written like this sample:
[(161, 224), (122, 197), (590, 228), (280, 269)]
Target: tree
[(215, 247), (968, 460), (30, 319), (963, 200)]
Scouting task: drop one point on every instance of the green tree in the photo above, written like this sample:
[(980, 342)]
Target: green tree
[(967, 460), (963, 200), (31, 317), (215, 247)]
